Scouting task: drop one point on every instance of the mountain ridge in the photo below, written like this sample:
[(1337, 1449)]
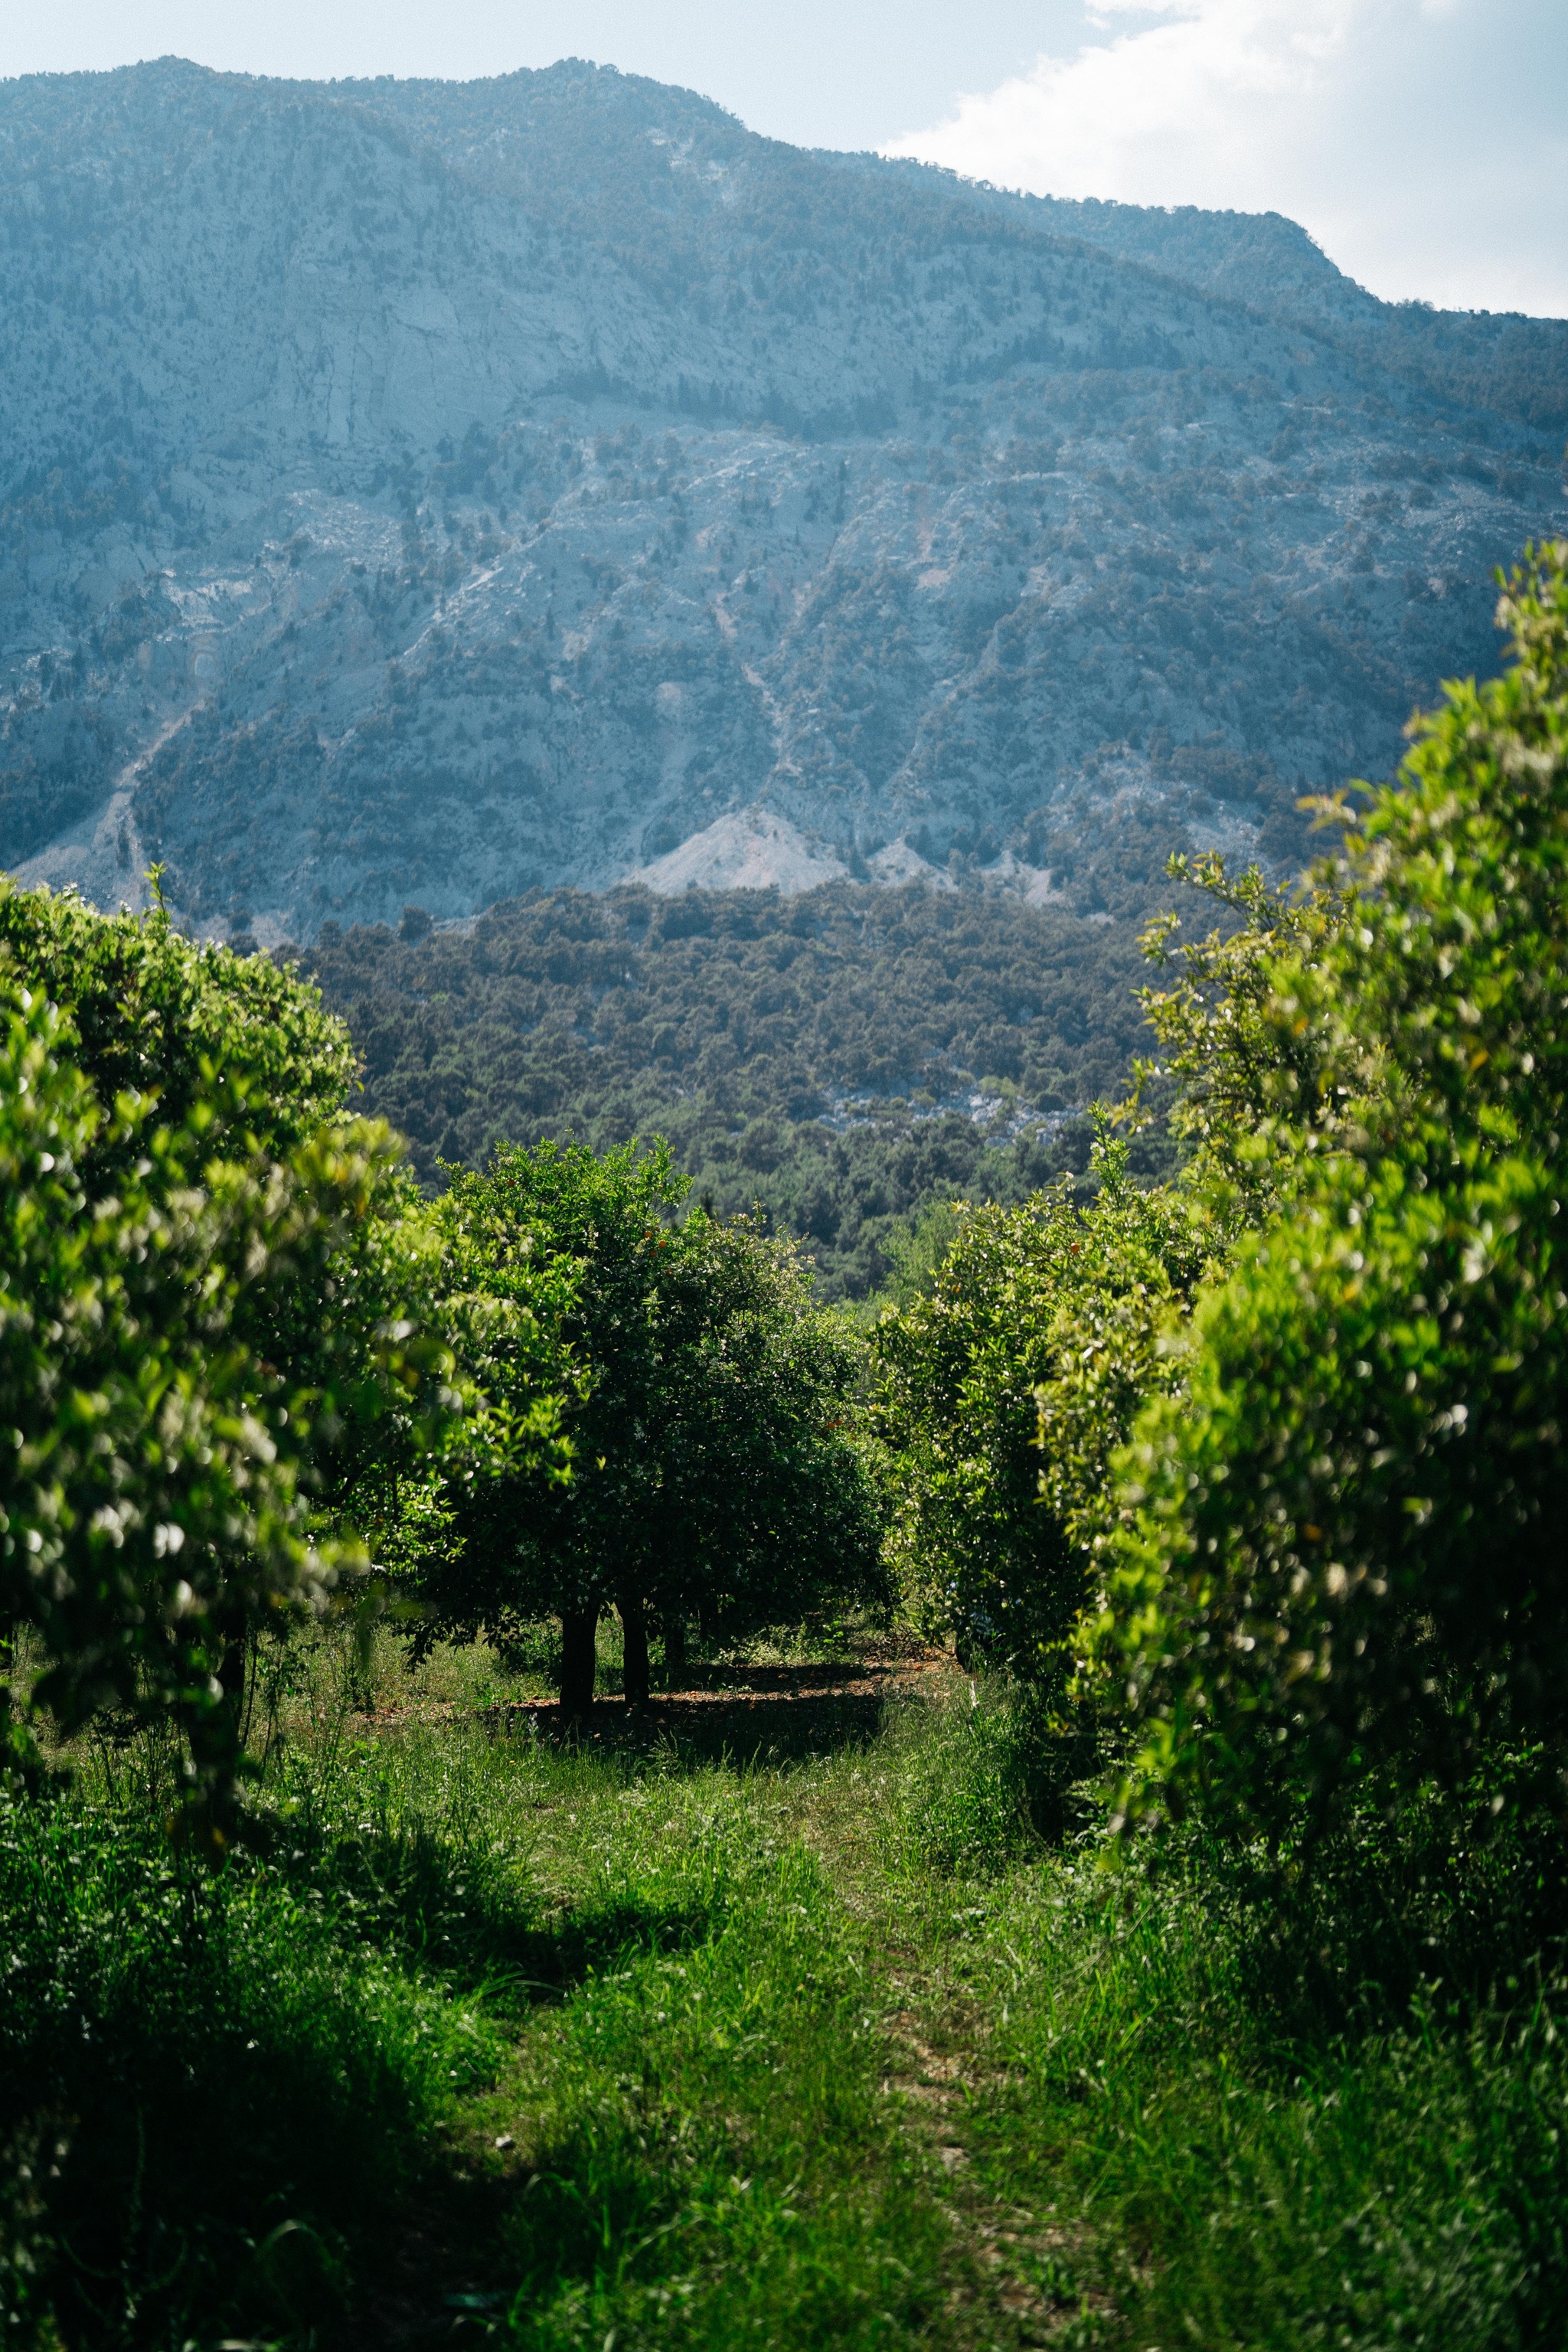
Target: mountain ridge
[(423, 492)]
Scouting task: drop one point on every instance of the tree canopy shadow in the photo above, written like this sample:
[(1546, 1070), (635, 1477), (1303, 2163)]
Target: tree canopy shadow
[(736, 1715)]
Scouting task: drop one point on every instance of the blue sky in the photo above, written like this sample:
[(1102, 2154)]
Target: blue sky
[(1424, 143)]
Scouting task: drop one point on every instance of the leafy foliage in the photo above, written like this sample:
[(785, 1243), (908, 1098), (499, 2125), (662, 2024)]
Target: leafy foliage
[(228, 1060), (1346, 1558), (1238, 1070), (711, 1470), (1039, 1338), (764, 1512), (236, 1053), (158, 1499), (221, 1330)]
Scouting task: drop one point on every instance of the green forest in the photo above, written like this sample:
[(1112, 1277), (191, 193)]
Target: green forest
[(832, 1062), (562, 1787)]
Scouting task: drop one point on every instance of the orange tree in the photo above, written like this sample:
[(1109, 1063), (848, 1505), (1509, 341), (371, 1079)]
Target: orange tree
[(233, 1051), (1345, 1559), (1002, 1390), (220, 1317), (154, 1485), (714, 1469)]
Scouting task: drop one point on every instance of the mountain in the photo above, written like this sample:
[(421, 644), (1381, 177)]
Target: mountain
[(417, 492)]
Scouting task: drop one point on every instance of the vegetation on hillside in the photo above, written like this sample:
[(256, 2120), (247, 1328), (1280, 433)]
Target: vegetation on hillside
[(730, 476), (1181, 1956), (817, 1058)]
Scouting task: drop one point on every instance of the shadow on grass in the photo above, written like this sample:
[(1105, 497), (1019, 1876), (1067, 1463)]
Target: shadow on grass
[(467, 1915), (225, 2098), (730, 1715)]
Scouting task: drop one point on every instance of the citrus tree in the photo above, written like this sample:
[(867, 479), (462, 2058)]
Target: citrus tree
[(1003, 1390), (713, 1470), (237, 1053), (154, 1488), (222, 1325), (759, 1506), (1242, 1076), (1346, 1555)]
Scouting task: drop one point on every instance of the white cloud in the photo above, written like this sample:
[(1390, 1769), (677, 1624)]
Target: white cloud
[(1421, 141)]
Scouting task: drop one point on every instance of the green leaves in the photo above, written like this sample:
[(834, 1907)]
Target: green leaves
[(154, 1474), (705, 1400), (1004, 1390), (1345, 1555), (236, 1053), (1252, 1077), (221, 1336)]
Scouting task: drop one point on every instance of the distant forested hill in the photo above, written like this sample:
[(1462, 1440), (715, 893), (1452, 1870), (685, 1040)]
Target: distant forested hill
[(435, 492), (839, 1058)]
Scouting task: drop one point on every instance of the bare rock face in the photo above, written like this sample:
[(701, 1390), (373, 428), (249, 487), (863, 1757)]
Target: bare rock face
[(420, 492)]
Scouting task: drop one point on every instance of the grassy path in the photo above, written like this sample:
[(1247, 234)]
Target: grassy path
[(736, 2130), (479, 2042), (732, 2105)]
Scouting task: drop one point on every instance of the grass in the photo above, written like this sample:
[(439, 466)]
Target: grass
[(217, 2091), (478, 2042), (1235, 2178)]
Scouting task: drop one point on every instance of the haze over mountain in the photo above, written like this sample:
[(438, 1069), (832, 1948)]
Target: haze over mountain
[(426, 491)]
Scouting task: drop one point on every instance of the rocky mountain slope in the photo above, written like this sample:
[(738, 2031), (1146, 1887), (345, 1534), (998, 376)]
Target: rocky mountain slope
[(421, 492)]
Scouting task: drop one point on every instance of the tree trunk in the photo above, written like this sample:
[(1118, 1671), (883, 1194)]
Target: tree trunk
[(578, 1630), (675, 1644), (634, 1646), (215, 1734)]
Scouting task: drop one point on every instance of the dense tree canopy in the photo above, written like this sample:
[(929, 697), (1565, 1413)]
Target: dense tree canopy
[(158, 1499), (835, 1059), (1348, 1554), (711, 1473)]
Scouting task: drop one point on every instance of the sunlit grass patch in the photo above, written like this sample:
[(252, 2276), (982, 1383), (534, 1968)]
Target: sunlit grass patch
[(711, 2158), (551, 2047)]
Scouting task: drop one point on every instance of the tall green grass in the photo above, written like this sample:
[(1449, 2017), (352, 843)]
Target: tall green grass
[(222, 2092), (1235, 2185), (480, 2039), (1322, 2111)]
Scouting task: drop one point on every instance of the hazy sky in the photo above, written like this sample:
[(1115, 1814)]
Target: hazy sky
[(1424, 143)]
